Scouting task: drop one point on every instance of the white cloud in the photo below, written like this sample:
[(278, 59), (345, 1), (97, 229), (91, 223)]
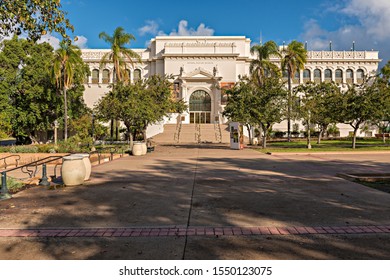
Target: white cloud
[(151, 27), (53, 41), (81, 42), (183, 30), (370, 28)]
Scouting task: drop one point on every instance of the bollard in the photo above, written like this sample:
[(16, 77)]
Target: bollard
[(44, 181), (4, 190)]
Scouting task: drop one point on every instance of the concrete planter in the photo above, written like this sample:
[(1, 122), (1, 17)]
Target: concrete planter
[(87, 164), (73, 170), (139, 149)]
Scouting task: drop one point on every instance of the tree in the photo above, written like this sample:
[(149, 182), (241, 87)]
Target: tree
[(293, 58), (269, 105), (26, 88), (236, 108), (381, 116), (68, 67), (119, 56), (318, 105), (253, 104), (35, 17), (139, 104), (262, 67), (361, 103)]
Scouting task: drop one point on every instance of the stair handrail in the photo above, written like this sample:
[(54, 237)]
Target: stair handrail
[(198, 137), (176, 136), (217, 129), (4, 190), (9, 156)]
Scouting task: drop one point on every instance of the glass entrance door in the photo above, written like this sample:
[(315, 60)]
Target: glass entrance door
[(200, 107), (200, 117)]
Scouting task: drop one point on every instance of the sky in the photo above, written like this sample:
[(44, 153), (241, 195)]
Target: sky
[(367, 22)]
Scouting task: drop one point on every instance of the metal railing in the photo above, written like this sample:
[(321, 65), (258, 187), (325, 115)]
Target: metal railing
[(176, 136), (110, 150), (31, 170), (10, 156), (217, 129), (198, 137)]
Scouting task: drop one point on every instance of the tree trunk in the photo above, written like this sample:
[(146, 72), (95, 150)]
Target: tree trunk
[(112, 129), (289, 108), (354, 137), (65, 115), (308, 135), (320, 135), (116, 130), (264, 142), (383, 136), (248, 127)]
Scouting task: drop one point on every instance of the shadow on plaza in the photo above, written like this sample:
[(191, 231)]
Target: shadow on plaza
[(226, 192)]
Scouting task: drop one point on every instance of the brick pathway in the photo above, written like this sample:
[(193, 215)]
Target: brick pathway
[(190, 231)]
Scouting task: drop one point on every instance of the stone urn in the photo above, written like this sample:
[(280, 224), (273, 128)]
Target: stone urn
[(87, 164), (73, 170), (137, 149)]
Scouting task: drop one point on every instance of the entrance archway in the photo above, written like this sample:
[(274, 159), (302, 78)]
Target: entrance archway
[(200, 107)]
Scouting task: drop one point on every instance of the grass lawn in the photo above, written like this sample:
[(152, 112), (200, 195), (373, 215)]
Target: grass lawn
[(344, 145)]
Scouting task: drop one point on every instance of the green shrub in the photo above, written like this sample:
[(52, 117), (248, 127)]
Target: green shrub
[(24, 149), (14, 185), (75, 145)]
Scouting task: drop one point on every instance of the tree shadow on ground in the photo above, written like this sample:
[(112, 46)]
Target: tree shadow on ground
[(239, 190)]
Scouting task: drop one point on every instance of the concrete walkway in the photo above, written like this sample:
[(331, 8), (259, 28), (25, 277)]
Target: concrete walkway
[(206, 202)]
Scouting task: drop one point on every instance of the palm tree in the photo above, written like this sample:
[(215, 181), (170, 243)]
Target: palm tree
[(261, 67), (293, 58), (118, 56), (119, 53), (67, 67)]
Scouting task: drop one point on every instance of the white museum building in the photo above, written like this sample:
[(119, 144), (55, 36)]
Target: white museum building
[(201, 66)]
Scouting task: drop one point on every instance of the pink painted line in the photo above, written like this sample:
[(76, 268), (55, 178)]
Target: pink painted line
[(182, 231), (283, 231), (264, 230), (292, 230)]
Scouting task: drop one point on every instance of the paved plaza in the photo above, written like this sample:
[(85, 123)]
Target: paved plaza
[(206, 202)]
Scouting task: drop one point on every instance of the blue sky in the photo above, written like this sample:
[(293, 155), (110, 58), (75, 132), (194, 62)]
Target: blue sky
[(365, 21)]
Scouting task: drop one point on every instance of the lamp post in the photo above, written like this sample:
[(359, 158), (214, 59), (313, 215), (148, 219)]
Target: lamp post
[(55, 132)]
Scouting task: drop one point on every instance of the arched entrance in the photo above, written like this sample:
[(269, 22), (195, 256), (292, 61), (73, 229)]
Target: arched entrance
[(200, 107)]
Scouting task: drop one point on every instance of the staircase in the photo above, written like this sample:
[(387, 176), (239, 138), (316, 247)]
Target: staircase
[(190, 134)]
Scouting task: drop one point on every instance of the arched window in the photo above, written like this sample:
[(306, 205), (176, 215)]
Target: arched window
[(317, 76), (306, 75), (339, 76), (106, 76), (349, 76), (200, 101), (359, 76), (328, 75), (95, 76), (137, 75)]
